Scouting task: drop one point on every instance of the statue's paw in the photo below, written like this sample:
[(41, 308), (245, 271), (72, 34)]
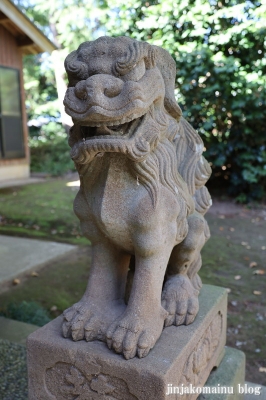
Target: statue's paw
[(132, 335), (86, 320), (180, 299), (80, 322)]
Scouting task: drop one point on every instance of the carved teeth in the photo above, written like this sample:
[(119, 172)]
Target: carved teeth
[(122, 121), (88, 132)]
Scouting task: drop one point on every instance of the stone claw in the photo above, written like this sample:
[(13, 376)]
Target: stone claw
[(132, 335), (180, 299), (66, 328)]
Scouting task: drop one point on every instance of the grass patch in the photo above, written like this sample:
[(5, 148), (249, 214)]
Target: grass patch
[(41, 211), (57, 287)]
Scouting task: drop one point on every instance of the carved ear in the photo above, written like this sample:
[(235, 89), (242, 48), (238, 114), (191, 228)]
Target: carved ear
[(150, 56), (76, 70), (166, 65)]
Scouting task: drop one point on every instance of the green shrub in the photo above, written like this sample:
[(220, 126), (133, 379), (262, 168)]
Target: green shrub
[(27, 311), (222, 101), (49, 150)]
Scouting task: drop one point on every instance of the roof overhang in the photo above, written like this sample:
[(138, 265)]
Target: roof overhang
[(29, 38)]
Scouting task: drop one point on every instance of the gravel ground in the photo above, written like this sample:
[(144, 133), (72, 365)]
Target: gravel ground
[(13, 376)]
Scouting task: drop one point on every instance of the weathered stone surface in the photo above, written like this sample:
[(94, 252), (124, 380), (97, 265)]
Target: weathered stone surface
[(229, 374), (142, 198), (60, 369)]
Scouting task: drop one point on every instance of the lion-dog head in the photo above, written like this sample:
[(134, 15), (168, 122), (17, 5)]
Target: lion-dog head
[(121, 99), (113, 81)]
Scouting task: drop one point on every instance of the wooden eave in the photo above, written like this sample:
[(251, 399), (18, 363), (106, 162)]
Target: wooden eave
[(29, 38)]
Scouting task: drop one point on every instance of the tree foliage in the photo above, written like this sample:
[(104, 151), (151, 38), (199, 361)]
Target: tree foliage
[(219, 49)]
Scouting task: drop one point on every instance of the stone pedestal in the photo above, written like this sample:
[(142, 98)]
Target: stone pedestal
[(227, 382), (60, 369)]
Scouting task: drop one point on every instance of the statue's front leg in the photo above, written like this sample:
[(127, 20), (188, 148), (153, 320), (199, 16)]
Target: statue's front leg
[(141, 325), (103, 300)]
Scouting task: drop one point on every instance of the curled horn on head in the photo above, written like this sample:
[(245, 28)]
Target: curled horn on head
[(76, 70), (166, 65), (137, 51)]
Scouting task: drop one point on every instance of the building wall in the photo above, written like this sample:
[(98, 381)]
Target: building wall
[(10, 56)]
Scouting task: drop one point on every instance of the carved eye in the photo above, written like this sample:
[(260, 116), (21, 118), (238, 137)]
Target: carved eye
[(136, 73)]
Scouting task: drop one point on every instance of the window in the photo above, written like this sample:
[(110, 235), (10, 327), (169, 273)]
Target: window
[(11, 130)]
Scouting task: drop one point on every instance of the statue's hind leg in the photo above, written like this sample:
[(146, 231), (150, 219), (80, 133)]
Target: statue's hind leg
[(181, 289)]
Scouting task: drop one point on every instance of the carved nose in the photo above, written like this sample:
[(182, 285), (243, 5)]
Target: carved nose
[(99, 85), (113, 88), (81, 90)]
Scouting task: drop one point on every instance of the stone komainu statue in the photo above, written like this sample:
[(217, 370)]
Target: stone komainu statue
[(142, 197)]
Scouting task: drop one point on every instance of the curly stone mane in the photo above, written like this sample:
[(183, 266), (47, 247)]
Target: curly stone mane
[(165, 150)]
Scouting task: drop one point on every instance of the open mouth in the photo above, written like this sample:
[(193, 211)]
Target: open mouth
[(90, 132)]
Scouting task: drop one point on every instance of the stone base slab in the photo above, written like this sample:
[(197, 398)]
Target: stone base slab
[(227, 382), (15, 331), (253, 394), (60, 369), (20, 255)]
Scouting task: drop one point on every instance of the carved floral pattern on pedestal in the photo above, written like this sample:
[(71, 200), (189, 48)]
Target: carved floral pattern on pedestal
[(199, 359), (66, 382)]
